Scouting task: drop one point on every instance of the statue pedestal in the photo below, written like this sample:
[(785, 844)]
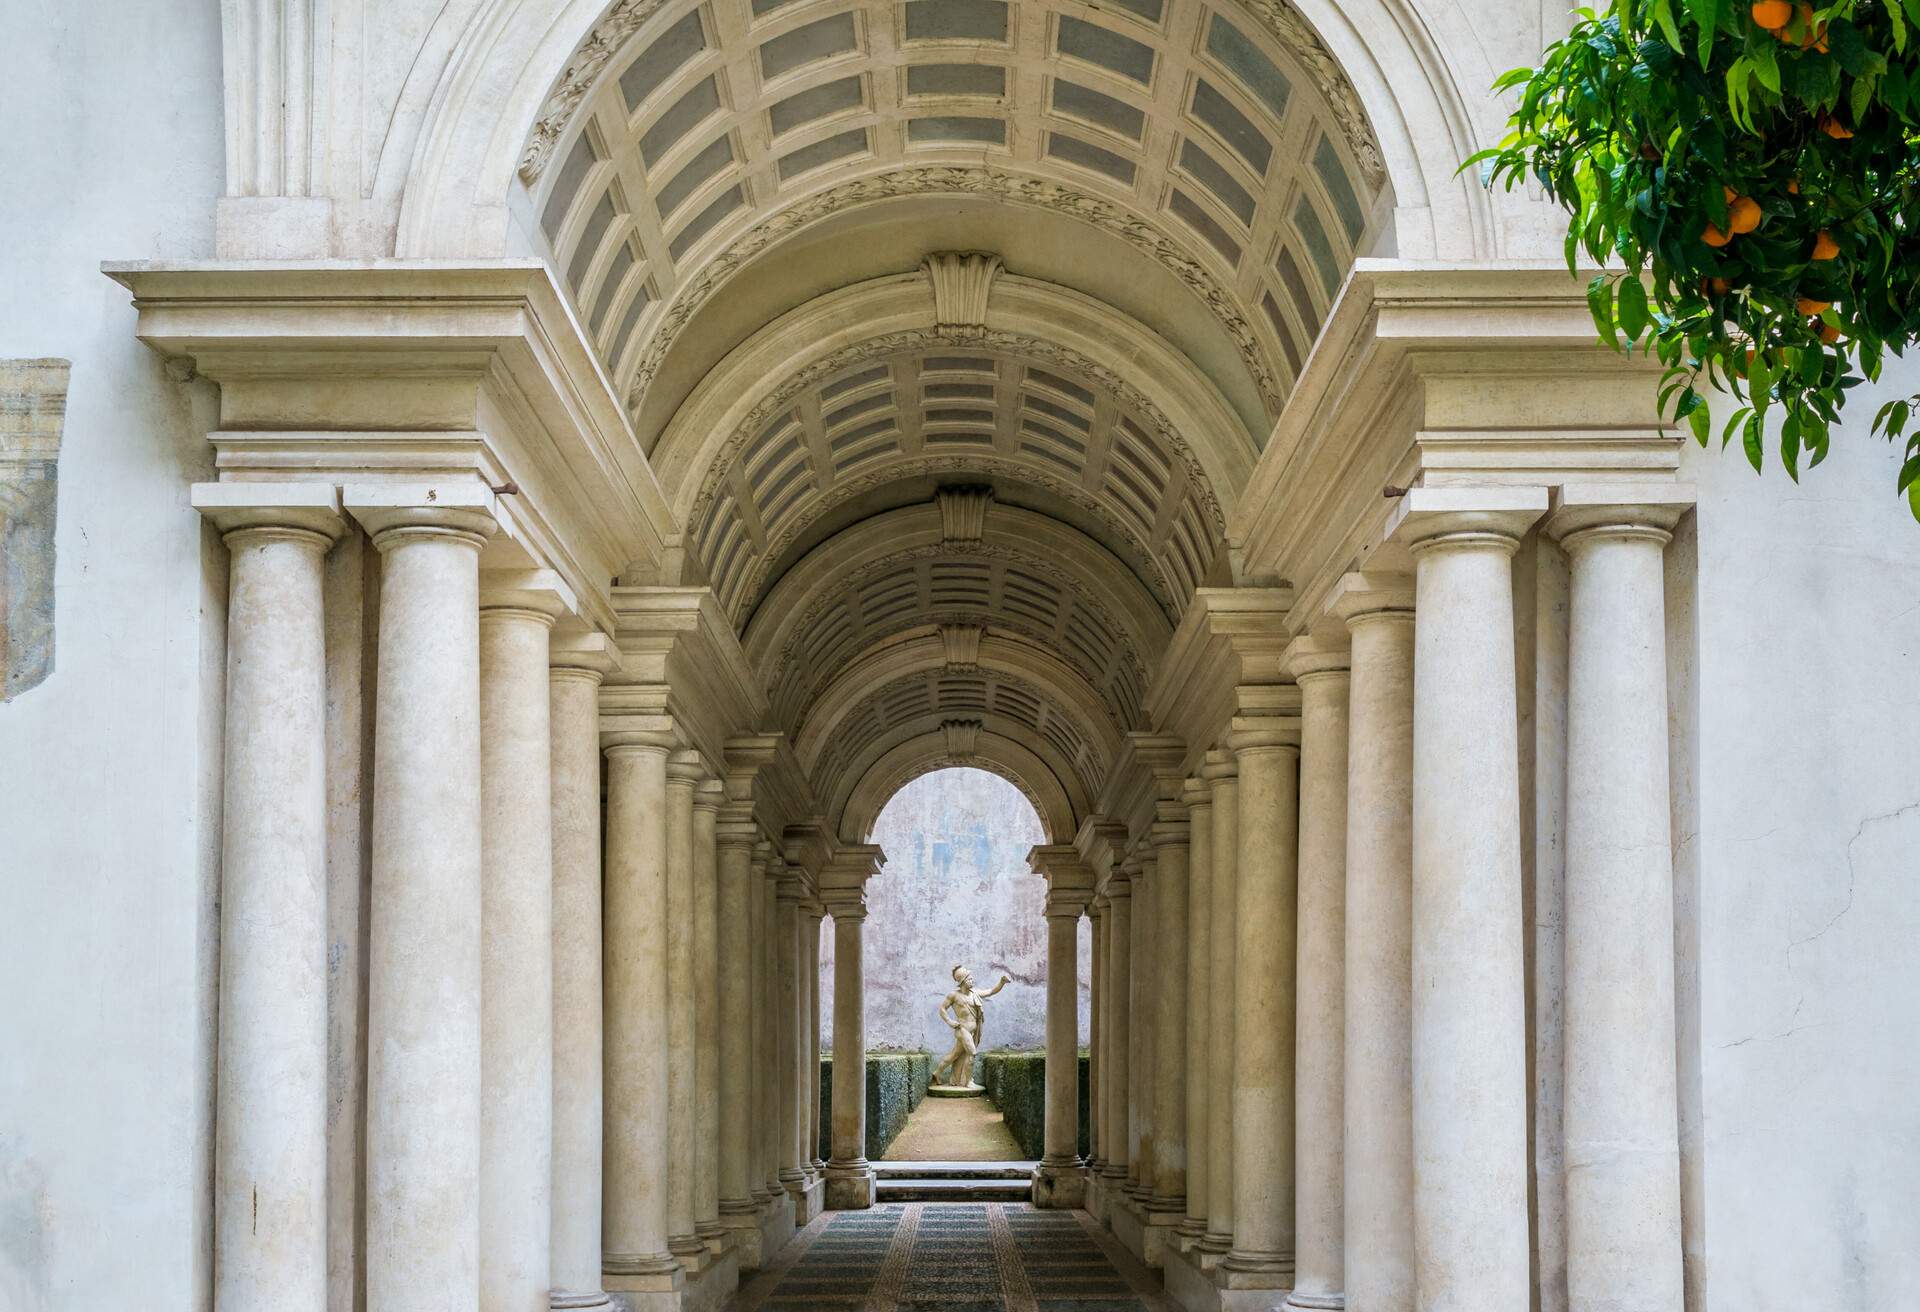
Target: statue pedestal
[(956, 1091)]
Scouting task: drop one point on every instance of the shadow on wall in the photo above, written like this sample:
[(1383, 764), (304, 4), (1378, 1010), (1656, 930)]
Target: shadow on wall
[(956, 890)]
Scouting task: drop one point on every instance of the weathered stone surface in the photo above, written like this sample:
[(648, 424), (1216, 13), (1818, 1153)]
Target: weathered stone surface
[(33, 411)]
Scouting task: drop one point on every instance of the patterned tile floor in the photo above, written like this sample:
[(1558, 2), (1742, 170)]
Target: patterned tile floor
[(953, 1257)]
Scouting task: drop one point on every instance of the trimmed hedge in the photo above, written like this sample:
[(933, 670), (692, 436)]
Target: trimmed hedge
[(896, 1082), (1017, 1083)]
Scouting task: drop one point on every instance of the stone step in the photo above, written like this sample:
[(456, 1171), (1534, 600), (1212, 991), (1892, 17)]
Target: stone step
[(953, 1170), (945, 1189)]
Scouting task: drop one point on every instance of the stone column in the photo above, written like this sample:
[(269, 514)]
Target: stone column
[(424, 973), (517, 611), (1117, 1025), (574, 713), (1268, 753), (754, 1127), (707, 799), (816, 912), (850, 1178), (270, 1153), (735, 833), (1223, 862), (1469, 1013), (1320, 669), (684, 772), (792, 1168), (1622, 1131), (1378, 997), (1060, 1180), (1197, 796), (1170, 996), (1145, 1011), (1096, 1033), (638, 1011), (770, 1020)]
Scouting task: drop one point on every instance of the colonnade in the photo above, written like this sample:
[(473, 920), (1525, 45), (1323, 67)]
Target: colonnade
[(591, 1028), (1311, 1058)]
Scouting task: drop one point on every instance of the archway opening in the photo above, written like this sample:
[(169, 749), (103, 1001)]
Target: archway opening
[(957, 891)]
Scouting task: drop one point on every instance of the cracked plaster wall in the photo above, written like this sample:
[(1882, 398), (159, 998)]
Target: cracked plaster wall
[(1798, 874), (956, 890), (109, 767)]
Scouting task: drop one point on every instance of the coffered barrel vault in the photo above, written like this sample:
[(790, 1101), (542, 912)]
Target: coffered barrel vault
[(1220, 142)]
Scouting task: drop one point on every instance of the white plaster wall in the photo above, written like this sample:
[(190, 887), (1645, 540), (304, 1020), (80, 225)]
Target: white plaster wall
[(108, 770), (1807, 858), (956, 890)]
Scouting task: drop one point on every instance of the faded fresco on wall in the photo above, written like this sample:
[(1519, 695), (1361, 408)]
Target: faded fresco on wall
[(956, 890), (33, 409)]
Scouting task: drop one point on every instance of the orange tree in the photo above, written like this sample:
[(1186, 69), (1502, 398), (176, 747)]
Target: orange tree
[(1751, 171)]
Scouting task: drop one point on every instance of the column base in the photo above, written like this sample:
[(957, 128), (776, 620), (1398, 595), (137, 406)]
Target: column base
[(808, 1194), (691, 1252), (1147, 1234), (716, 1283), (1315, 1302), (1189, 1282), (760, 1233), (1059, 1186), (647, 1291), (850, 1185), (594, 1300)]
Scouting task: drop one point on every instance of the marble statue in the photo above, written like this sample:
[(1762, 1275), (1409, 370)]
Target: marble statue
[(962, 1012)]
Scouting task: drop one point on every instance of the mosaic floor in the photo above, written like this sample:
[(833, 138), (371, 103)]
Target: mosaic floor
[(953, 1257)]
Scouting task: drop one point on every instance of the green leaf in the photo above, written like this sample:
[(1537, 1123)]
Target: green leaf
[(1766, 71), (1701, 421), (1750, 440), (1663, 16), (1633, 307), (1706, 14), (1600, 305)]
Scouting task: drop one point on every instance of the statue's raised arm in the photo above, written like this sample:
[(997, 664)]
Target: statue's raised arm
[(1004, 981)]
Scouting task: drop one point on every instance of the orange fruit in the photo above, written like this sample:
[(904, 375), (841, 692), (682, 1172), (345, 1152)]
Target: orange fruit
[(1834, 128), (1719, 286), (1743, 215), (1828, 333), (1824, 246), (1793, 186), (1712, 236), (1772, 14), (1812, 308)]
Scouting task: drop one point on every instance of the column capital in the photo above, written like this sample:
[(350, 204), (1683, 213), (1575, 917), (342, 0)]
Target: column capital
[(589, 657), (1494, 516), (284, 508), (1255, 734), (1101, 839), (635, 715), (1309, 659), (685, 769), (535, 591), (1219, 765), (1069, 881), (1195, 792), (1586, 512), (843, 880), (459, 508), (709, 794), (1362, 596), (734, 825)]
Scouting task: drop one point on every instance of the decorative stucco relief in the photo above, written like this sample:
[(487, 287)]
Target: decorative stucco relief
[(583, 70), (33, 409)]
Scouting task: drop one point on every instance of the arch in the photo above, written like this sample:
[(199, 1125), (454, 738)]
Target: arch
[(516, 69), (869, 676), (855, 807)]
